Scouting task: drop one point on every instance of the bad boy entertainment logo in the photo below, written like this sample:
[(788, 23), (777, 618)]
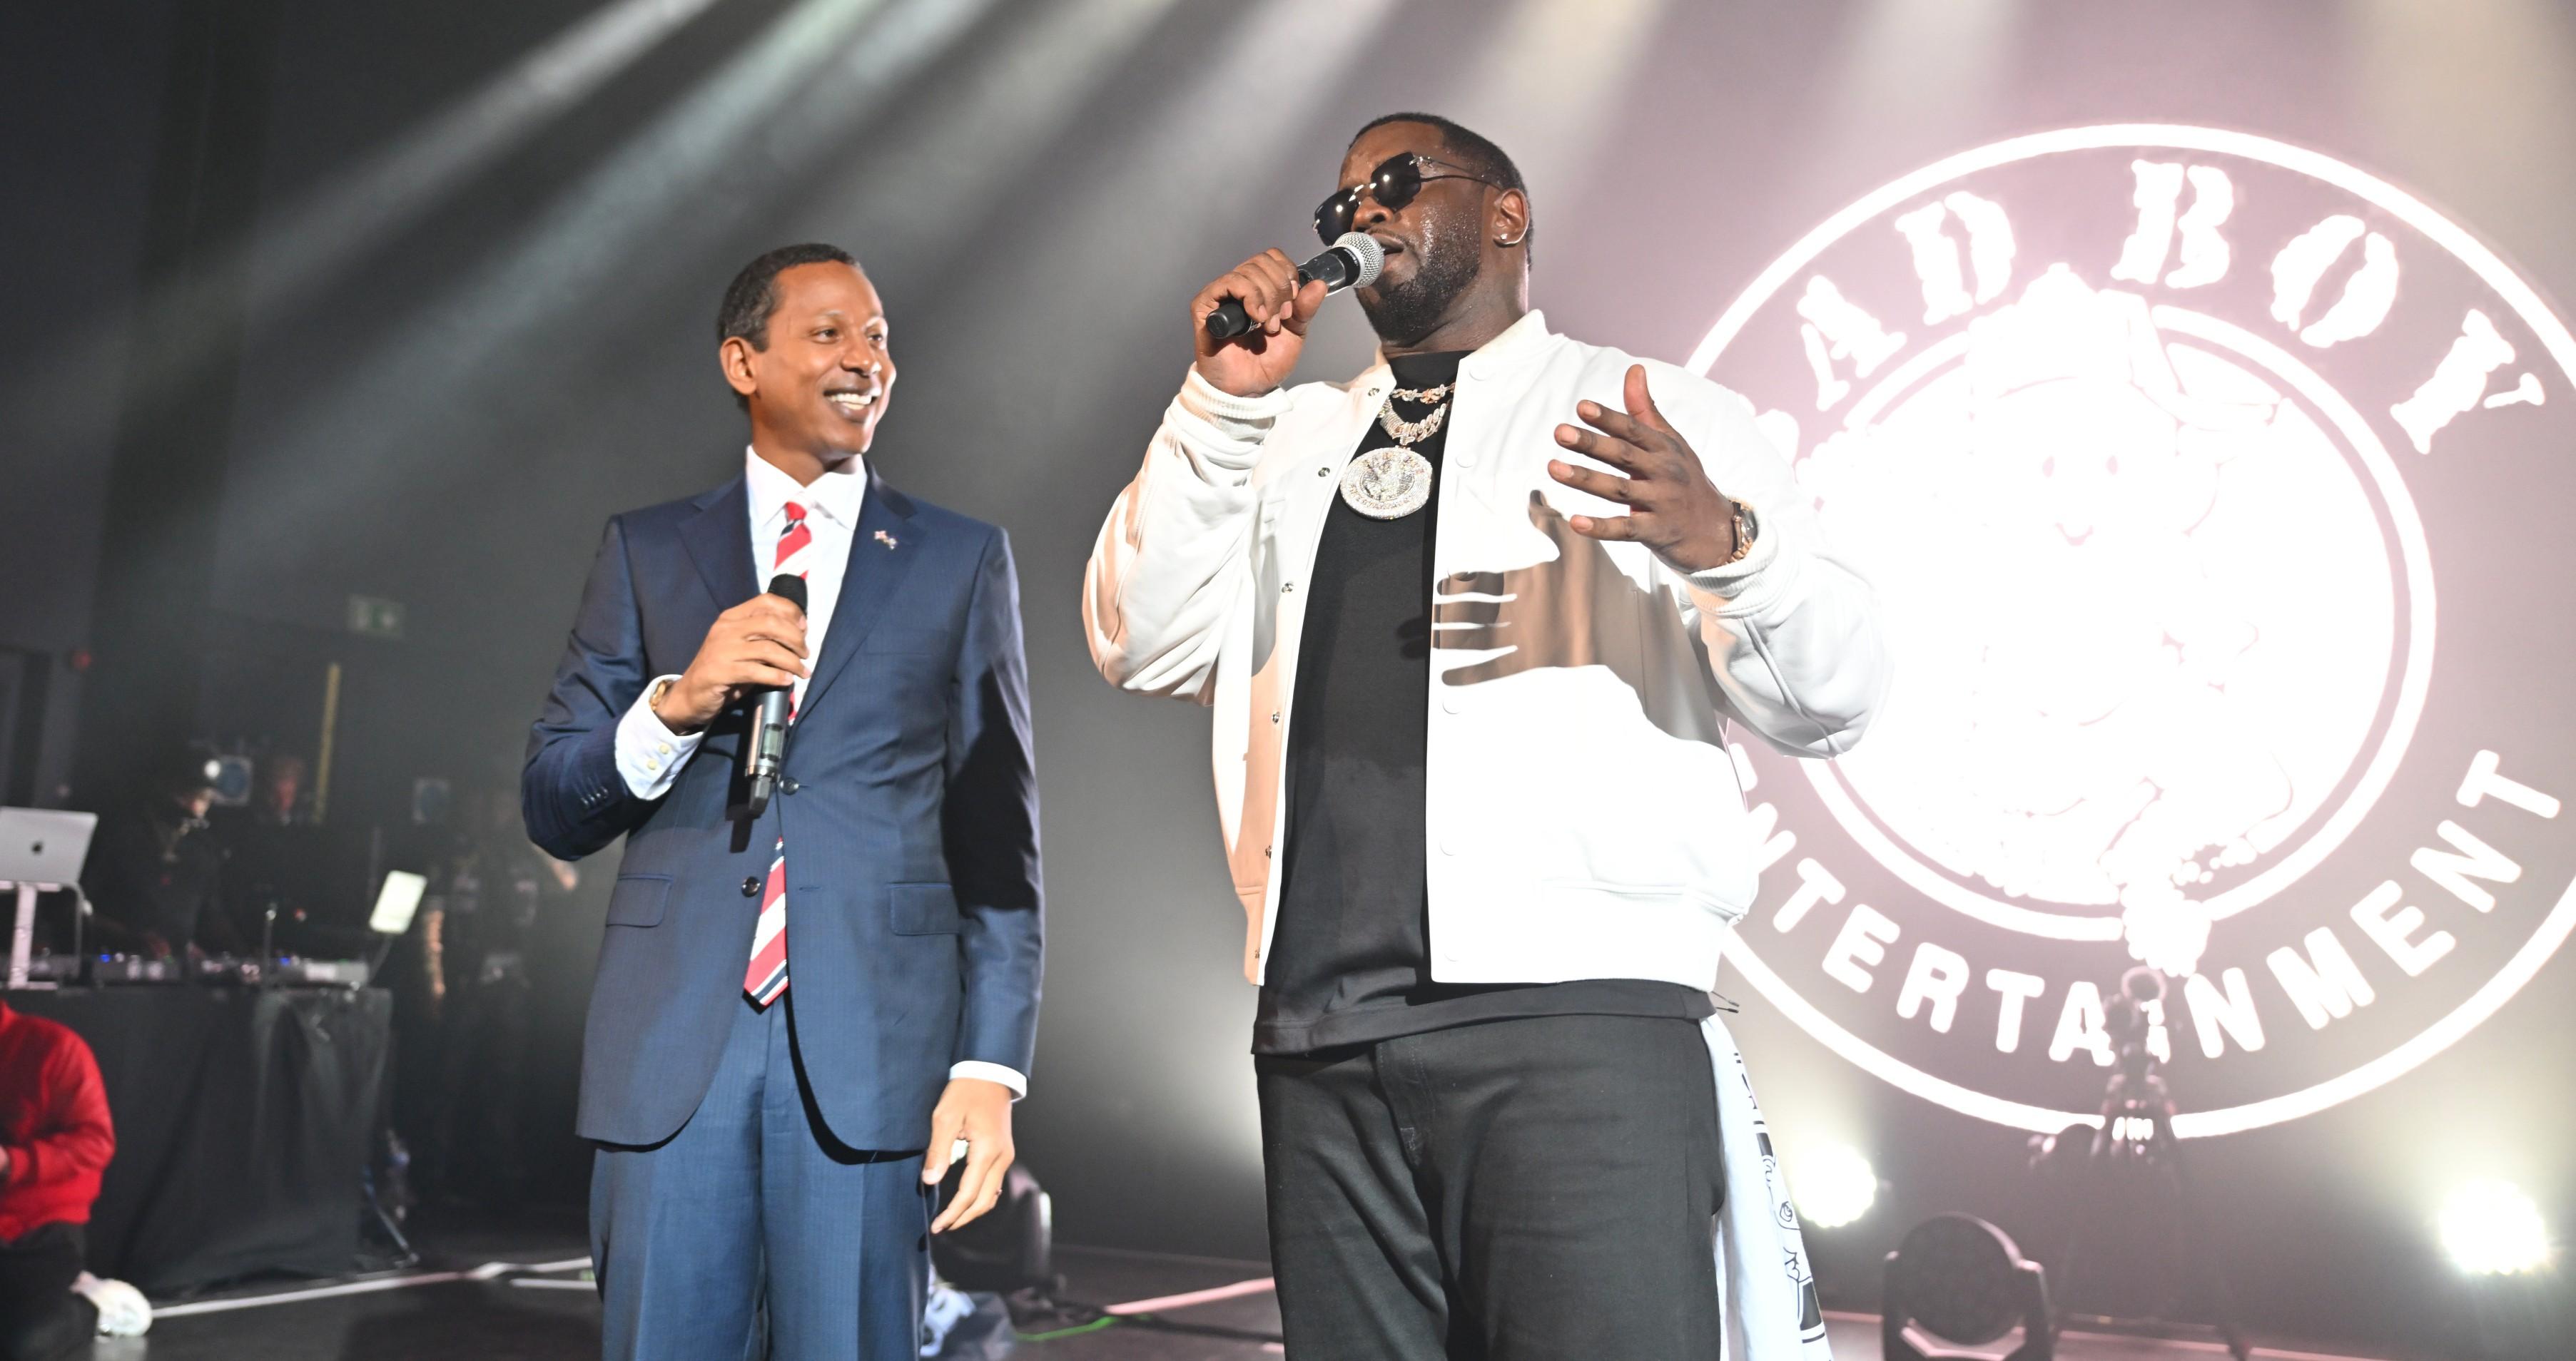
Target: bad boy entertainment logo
[(2157, 442)]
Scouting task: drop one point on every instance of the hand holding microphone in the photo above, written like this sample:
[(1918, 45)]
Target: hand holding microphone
[(1250, 324), (757, 644)]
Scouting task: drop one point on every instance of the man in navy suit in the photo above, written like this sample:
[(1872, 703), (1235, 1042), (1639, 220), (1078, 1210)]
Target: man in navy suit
[(799, 1015)]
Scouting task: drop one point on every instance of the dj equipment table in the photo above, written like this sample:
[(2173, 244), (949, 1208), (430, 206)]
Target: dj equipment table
[(244, 1118)]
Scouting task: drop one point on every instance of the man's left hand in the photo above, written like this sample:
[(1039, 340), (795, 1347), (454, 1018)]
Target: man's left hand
[(1673, 508), (978, 1112)]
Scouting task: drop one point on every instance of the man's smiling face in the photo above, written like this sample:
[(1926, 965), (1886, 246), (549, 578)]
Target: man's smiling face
[(823, 381)]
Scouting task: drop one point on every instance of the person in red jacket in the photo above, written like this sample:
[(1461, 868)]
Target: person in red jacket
[(55, 1139)]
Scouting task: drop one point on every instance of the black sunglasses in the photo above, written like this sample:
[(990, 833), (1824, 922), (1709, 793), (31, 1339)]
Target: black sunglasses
[(1393, 184)]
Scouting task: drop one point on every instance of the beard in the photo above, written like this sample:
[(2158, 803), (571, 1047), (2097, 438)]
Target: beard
[(1406, 312)]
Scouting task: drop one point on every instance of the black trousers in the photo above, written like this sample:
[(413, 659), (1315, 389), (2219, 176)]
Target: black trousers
[(40, 1317), (1519, 1190)]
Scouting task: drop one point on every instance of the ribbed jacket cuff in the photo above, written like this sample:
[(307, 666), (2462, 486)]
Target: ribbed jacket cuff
[(1221, 408)]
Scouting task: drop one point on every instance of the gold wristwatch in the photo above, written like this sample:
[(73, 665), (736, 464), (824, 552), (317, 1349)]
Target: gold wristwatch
[(1744, 531)]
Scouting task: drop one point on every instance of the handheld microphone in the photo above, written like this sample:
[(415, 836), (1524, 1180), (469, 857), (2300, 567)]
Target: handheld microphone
[(766, 748), (1350, 262)]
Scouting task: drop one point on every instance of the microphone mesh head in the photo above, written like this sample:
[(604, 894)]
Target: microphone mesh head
[(790, 585), (1367, 251)]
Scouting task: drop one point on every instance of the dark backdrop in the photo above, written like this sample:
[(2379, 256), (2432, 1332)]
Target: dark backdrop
[(474, 319)]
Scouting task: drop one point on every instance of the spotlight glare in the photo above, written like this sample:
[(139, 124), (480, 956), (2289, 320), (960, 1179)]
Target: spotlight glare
[(1834, 1186), (2491, 1228)]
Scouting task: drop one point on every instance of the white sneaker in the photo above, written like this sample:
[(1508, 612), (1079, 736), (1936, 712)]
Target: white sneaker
[(941, 1313), (122, 1310)]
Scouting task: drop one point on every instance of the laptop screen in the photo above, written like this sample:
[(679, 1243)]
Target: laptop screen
[(396, 902)]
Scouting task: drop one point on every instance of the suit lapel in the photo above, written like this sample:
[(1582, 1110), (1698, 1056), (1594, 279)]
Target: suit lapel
[(886, 544), (718, 538)]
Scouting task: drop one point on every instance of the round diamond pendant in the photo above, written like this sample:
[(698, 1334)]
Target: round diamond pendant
[(1387, 484)]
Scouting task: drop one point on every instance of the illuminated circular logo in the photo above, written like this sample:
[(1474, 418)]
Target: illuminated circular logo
[(2155, 442)]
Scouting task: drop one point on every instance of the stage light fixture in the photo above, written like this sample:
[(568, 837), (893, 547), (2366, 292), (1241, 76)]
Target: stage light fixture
[(1959, 1282), (1834, 1186), (1010, 1248), (2490, 1228)]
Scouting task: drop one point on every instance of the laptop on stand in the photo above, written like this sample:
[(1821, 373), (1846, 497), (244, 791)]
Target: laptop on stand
[(41, 850)]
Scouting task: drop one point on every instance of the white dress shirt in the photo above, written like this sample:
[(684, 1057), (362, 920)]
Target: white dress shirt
[(650, 755)]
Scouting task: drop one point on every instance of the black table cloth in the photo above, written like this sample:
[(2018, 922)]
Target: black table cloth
[(244, 1118)]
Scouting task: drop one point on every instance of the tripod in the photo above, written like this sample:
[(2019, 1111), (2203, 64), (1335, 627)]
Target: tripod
[(2136, 1133)]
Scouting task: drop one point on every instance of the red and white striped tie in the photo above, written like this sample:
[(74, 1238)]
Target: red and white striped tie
[(766, 979)]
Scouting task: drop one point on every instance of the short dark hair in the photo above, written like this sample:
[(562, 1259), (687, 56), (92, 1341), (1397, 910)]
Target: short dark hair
[(752, 298), (1471, 148)]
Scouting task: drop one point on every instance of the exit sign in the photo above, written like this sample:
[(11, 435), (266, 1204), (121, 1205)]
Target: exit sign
[(375, 618)]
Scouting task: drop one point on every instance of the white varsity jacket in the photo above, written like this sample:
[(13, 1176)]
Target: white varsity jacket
[(1584, 819)]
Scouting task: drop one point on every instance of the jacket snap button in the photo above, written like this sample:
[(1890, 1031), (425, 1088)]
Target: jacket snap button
[(1323, 472), (788, 786), (751, 886), (1265, 852), (1287, 588), (1274, 715)]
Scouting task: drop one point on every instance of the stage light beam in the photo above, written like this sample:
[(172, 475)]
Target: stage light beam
[(754, 123), (1549, 82), (1833, 1186), (304, 245), (2490, 1228)]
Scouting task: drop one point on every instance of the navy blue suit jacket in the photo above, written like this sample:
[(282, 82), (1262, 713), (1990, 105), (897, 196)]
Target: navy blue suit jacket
[(908, 801)]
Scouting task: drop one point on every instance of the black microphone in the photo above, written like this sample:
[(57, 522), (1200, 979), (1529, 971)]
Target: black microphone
[(767, 747), (1351, 262)]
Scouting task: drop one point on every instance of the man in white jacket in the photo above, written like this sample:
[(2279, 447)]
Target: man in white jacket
[(1473, 624)]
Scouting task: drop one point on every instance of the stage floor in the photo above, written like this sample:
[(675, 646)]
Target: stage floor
[(518, 1295)]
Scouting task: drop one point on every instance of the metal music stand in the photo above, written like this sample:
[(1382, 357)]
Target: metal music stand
[(2136, 1103), (397, 901), (41, 850)]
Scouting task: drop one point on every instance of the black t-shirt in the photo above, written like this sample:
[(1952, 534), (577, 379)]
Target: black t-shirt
[(1350, 960)]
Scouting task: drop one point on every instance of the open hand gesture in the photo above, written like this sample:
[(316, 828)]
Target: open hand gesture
[(1673, 508)]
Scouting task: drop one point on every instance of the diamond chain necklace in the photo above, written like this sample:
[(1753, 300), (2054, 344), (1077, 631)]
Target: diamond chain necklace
[(1410, 433)]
